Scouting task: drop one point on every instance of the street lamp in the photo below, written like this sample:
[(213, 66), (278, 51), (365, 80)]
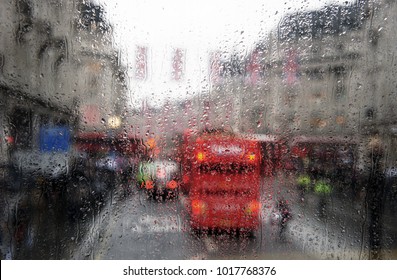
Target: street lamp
[(114, 122)]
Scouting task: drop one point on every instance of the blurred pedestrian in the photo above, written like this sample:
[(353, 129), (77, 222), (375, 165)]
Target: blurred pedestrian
[(285, 216), (324, 190), (304, 183)]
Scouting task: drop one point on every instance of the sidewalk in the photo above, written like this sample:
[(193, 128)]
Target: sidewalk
[(343, 232), (17, 208), (9, 202)]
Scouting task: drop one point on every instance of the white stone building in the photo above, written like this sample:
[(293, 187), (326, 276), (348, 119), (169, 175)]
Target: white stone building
[(58, 64)]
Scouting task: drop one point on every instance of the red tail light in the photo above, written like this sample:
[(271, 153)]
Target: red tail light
[(172, 184), (251, 156), (149, 184), (253, 207), (200, 156), (198, 207)]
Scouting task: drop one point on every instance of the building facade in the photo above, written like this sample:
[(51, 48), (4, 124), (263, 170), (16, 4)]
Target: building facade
[(328, 72), (58, 65)]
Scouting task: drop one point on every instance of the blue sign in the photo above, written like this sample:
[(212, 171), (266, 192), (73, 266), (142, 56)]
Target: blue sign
[(54, 139)]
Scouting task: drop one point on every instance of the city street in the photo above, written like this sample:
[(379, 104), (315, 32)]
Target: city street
[(134, 226), (269, 134), (139, 228)]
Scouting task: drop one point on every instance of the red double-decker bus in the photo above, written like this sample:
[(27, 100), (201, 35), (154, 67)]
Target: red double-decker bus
[(222, 175)]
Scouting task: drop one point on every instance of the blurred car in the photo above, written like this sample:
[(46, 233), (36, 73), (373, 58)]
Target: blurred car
[(159, 178), (104, 163), (115, 162), (52, 160)]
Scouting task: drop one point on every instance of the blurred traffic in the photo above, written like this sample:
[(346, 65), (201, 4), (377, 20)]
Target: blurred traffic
[(281, 148)]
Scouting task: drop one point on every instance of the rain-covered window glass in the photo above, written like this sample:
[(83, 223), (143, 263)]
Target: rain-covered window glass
[(134, 129)]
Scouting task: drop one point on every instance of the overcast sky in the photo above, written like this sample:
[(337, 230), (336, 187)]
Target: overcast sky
[(210, 21), (195, 26)]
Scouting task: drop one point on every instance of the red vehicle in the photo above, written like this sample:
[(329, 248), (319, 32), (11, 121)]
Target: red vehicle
[(326, 156), (274, 150), (222, 172)]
